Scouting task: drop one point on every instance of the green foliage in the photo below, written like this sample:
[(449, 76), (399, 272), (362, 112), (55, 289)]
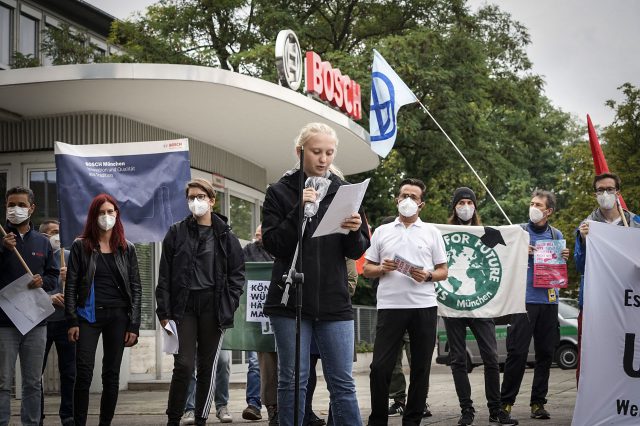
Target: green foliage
[(363, 347), (20, 60), (64, 46), (622, 147)]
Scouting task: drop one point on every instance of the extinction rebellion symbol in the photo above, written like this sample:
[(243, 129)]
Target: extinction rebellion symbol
[(475, 273)]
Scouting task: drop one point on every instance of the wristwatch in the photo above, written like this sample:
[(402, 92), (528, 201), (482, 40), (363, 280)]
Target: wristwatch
[(430, 276)]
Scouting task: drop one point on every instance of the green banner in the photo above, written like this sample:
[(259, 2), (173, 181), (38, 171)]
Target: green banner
[(252, 331)]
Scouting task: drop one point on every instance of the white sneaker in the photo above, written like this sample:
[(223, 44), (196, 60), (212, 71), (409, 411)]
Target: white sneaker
[(188, 418), (223, 414)]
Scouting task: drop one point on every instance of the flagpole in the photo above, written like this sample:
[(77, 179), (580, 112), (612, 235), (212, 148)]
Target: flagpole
[(465, 160)]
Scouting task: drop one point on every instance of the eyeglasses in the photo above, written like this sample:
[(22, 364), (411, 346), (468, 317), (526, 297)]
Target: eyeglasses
[(610, 191), (200, 197), (413, 197)]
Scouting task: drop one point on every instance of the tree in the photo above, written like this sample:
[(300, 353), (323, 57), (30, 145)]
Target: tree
[(64, 46)]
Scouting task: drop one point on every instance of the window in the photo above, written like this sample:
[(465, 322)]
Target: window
[(28, 36), (5, 35), (241, 217), (43, 185), (3, 191)]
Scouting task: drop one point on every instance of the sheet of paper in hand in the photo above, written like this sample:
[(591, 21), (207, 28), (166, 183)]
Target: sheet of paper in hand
[(404, 266), (549, 268)]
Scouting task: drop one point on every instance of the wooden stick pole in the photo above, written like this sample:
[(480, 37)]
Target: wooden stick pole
[(24, 264), (62, 265), (624, 219)]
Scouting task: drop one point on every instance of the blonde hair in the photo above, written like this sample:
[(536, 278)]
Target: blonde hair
[(309, 131)]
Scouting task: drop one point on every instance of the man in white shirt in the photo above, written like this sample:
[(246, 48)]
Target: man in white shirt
[(406, 300)]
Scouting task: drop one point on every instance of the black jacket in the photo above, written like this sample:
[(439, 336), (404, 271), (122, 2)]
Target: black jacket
[(325, 293), (80, 272), (179, 249), (37, 253)]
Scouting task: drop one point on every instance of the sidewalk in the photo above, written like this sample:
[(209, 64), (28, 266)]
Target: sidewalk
[(147, 407)]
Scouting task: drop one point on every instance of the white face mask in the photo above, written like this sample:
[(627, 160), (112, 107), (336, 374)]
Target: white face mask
[(407, 207), (607, 201), (106, 222), (535, 214), (465, 213), (17, 215), (55, 242), (199, 208)]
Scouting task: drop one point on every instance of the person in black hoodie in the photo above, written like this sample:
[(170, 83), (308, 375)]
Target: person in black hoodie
[(327, 315), (36, 251), (199, 287), (102, 297)]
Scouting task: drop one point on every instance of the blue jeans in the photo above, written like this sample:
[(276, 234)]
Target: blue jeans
[(30, 347), (253, 380), (221, 394), (335, 342)]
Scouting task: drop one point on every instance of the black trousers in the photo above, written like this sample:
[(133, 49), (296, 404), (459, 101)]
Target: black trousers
[(541, 323), (57, 334), (484, 330), (420, 323), (112, 324), (200, 339)]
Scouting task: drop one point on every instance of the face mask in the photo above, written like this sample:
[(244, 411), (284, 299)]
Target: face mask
[(407, 207), (55, 242), (199, 208), (106, 222), (17, 215), (465, 213), (535, 214), (607, 201)]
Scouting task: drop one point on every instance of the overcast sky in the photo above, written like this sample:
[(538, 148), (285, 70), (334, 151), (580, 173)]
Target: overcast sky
[(584, 49)]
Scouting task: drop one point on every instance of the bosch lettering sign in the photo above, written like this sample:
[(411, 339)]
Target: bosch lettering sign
[(330, 85)]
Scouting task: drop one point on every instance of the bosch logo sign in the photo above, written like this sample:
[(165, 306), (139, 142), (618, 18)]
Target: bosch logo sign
[(289, 59)]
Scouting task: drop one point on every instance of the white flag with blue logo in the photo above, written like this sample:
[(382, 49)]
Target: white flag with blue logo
[(388, 94)]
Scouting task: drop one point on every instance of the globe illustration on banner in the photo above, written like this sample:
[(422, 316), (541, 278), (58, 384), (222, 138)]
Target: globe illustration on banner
[(475, 273)]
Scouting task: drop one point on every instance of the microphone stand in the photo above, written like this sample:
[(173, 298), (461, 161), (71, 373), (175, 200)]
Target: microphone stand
[(296, 278)]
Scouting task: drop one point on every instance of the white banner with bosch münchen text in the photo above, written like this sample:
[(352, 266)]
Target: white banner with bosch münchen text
[(487, 271), (609, 391)]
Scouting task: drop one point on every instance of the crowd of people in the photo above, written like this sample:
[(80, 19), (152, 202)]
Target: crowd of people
[(96, 291)]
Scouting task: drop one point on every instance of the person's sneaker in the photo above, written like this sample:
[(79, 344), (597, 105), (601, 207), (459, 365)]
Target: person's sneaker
[(466, 419), (426, 412), (272, 413), (188, 418), (223, 415), (503, 416), (396, 409), (251, 413), (538, 412)]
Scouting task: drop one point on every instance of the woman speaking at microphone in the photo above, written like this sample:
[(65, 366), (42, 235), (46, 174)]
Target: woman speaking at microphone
[(327, 315), (102, 296)]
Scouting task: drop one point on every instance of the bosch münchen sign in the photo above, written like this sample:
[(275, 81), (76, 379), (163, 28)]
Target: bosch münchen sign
[(321, 79)]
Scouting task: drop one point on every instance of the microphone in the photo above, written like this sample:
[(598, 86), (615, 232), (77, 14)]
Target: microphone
[(321, 185)]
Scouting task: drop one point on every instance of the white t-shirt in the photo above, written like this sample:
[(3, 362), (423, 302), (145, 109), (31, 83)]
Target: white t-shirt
[(421, 244)]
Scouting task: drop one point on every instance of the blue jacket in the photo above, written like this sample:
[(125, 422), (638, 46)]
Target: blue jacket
[(36, 251)]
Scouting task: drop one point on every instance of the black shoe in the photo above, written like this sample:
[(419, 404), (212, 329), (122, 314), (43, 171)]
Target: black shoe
[(466, 419), (503, 417), (396, 409), (272, 412), (538, 412), (251, 413), (315, 420), (426, 412)]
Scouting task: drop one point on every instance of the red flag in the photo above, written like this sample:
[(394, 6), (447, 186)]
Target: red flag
[(599, 162)]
